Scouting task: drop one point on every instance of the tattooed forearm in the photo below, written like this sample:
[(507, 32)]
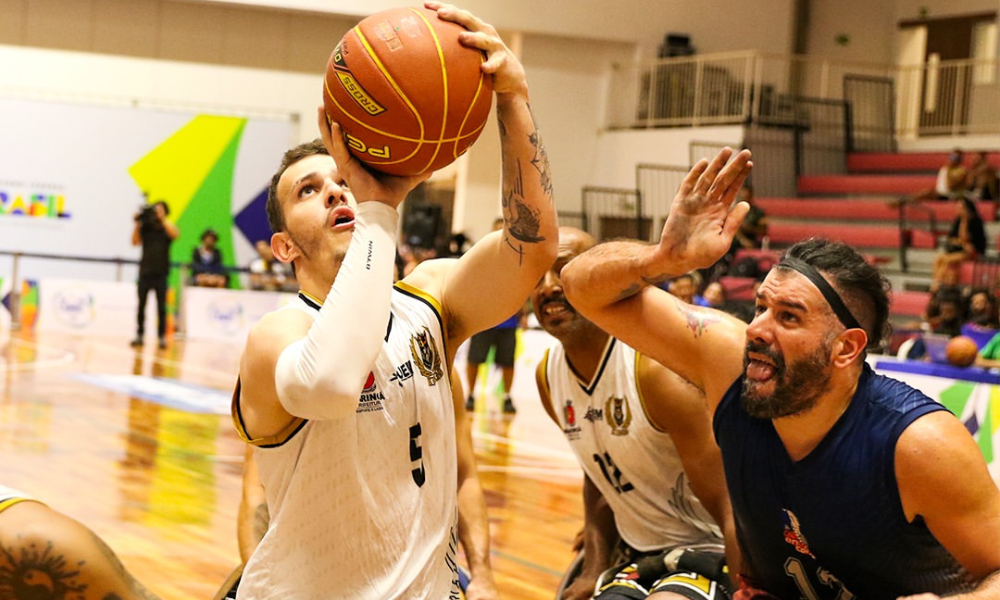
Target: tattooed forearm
[(521, 221), (698, 319), (540, 160), (628, 292)]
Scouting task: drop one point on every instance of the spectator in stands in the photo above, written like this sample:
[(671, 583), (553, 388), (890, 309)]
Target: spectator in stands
[(715, 297), (684, 287), (753, 230), (154, 232), (457, 245), (950, 180), (966, 239), (407, 258), (206, 262), (750, 236), (266, 273), (982, 180), (949, 313), (982, 310), (989, 355)]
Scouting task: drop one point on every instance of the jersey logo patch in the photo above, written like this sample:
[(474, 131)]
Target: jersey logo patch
[(426, 356), (594, 414), (571, 430), (618, 415), (371, 399), (793, 532), (570, 413)]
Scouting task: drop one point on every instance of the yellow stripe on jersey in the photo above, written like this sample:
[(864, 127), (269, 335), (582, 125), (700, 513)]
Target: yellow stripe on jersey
[(542, 381), (6, 503), (270, 441), (642, 399)]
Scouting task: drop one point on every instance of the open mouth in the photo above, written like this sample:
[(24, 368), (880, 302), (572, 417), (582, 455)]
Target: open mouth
[(555, 308), (341, 217)]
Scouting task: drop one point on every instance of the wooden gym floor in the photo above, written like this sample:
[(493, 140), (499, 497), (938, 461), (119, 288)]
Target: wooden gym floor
[(159, 480)]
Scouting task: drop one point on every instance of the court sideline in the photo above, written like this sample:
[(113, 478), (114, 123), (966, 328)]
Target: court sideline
[(137, 444)]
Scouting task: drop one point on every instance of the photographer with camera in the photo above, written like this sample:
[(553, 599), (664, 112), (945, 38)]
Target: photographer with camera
[(154, 232)]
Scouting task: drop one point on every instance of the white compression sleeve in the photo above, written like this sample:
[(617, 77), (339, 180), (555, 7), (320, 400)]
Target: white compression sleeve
[(321, 375)]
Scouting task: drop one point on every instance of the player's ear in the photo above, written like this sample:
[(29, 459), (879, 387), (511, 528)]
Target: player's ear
[(848, 346), (283, 247)]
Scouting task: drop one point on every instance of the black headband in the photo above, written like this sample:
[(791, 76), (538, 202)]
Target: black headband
[(824, 287)]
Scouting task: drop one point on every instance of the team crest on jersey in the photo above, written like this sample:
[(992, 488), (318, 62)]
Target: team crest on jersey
[(793, 532), (426, 357), (618, 415)]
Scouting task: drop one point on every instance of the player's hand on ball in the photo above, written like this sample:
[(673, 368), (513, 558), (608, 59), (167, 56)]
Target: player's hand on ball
[(507, 71), (365, 185)]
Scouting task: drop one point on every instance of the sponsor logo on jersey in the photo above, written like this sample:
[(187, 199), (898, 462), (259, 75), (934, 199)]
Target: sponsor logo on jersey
[(425, 355), (402, 373), (793, 532), (371, 399), (570, 413), (594, 414), (571, 429), (369, 384), (618, 415)]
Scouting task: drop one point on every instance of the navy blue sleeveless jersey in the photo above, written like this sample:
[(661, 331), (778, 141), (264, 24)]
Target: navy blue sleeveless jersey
[(832, 524)]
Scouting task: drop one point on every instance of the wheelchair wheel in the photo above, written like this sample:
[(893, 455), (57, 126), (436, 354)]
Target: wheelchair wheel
[(572, 573)]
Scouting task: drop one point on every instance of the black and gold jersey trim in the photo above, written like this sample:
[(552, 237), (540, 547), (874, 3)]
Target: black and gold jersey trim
[(589, 387), (271, 441), (431, 301)]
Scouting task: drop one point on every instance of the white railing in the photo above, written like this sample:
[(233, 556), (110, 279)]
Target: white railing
[(948, 97)]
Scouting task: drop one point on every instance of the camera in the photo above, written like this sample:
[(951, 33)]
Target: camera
[(147, 216)]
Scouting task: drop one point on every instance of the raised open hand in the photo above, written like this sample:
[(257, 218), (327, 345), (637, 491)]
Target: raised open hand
[(702, 220)]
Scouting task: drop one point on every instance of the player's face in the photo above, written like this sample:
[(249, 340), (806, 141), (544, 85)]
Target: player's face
[(788, 348), (554, 312), (318, 208)]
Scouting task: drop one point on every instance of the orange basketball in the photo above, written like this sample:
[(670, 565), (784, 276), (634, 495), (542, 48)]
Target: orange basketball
[(961, 351), (409, 97)]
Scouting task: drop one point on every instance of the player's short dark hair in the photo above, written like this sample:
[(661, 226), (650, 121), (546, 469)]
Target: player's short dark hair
[(862, 287), (275, 215)]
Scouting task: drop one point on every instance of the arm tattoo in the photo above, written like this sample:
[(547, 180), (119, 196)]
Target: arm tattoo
[(38, 572), (698, 320), (541, 158), (521, 220), (628, 292)]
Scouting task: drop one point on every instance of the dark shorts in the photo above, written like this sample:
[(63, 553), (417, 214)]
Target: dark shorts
[(503, 338)]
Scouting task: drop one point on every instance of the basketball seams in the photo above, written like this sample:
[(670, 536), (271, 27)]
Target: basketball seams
[(468, 113), (410, 90), (402, 96)]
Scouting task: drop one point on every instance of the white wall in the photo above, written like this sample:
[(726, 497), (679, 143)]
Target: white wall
[(714, 25), (620, 151), (936, 9), (855, 19)]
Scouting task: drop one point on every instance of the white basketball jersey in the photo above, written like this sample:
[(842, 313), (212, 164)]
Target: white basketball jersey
[(365, 508), (634, 465)]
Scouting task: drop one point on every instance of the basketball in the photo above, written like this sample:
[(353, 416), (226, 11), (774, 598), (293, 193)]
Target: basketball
[(409, 97), (961, 351)]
